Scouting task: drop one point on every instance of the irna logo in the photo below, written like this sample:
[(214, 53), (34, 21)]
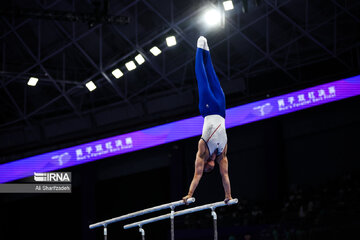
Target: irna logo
[(52, 177)]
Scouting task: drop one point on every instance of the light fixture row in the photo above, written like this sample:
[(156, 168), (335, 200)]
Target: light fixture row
[(117, 73), (139, 59)]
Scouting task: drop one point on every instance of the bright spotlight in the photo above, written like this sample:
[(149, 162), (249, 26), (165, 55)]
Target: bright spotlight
[(228, 5), (139, 59), (171, 41), (212, 17), (155, 51), (130, 65), (91, 86), (117, 73), (33, 81)]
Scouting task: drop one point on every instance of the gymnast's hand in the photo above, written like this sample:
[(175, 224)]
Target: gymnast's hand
[(227, 199), (186, 198)]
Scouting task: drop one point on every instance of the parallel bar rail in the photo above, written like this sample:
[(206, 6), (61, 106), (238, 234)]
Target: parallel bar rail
[(211, 206), (141, 212)]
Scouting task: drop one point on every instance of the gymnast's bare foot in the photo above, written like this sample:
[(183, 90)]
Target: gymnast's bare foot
[(202, 43)]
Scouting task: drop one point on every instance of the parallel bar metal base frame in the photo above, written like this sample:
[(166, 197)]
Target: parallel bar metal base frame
[(211, 206), (182, 212)]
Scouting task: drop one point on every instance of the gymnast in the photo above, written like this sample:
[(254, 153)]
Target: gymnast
[(212, 146)]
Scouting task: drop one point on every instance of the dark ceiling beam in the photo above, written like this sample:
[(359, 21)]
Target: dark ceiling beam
[(49, 5), (346, 11), (117, 90), (98, 68), (16, 28), (264, 53), (44, 69), (90, 18), (159, 79), (288, 44), (21, 113), (307, 34), (28, 20), (59, 50)]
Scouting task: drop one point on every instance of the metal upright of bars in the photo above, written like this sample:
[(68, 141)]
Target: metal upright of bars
[(211, 206), (171, 205)]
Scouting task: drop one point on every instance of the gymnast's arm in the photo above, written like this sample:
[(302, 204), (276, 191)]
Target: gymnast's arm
[(199, 168), (223, 167)]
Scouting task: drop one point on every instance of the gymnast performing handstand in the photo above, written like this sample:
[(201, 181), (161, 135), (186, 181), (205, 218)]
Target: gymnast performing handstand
[(213, 143)]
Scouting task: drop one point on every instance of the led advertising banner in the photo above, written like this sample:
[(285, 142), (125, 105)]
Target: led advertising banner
[(178, 130)]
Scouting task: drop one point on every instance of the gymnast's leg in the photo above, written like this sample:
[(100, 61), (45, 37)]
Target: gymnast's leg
[(213, 81), (212, 77), (207, 99)]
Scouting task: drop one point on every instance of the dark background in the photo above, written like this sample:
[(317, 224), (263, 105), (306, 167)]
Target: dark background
[(296, 176)]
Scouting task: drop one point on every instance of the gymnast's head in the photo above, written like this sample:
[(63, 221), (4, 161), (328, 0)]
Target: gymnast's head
[(209, 166), (210, 163)]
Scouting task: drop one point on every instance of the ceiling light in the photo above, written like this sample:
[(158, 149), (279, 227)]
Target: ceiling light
[(139, 59), (117, 73), (33, 81), (155, 51), (130, 65), (212, 17), (171, 41), (228, 5), (91, 86)]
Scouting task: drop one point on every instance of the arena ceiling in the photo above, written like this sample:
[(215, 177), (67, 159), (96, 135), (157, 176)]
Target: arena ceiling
[(272, 47)]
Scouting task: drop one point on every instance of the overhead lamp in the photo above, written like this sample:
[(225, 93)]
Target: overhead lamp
[(130, 65), (117, 73), (155, 51), (33, 81), (228, 5), (171, 41), (91, 86), (139, 59), (212, 17)]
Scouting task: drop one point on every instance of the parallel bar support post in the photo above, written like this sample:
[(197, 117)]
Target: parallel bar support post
[(142, 231), (213, 214), (105, 232), (172, 223)]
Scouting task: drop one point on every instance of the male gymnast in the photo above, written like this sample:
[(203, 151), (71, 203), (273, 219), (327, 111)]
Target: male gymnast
[(212, 145)]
